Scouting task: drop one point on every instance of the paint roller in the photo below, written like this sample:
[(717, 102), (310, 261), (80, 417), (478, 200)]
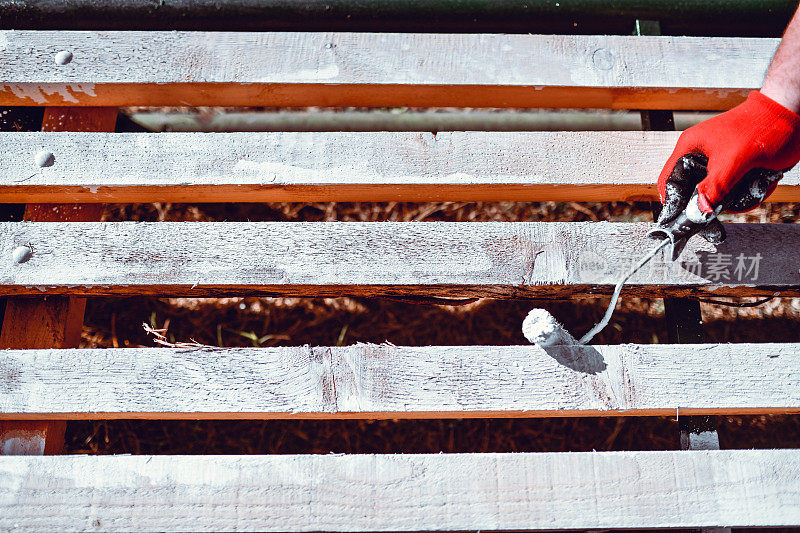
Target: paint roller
[(541, 328)]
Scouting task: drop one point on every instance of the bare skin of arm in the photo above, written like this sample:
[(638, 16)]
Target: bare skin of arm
[(782, 82), (763, 132)]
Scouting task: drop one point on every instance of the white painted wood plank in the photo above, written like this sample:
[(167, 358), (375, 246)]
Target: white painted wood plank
[(385, 381), (368, 166), (105, 65), (436, 259), (386, 58), (501, 491)]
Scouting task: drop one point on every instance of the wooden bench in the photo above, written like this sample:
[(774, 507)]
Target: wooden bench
[(60, 254)]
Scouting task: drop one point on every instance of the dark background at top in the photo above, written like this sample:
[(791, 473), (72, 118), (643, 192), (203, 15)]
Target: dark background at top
[(755, 18)]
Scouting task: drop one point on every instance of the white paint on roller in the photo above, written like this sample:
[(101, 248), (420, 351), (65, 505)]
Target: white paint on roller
[(21, 254), (542, 329), (44, 158)]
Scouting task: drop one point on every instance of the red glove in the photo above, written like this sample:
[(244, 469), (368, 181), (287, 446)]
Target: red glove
[(757, 134)]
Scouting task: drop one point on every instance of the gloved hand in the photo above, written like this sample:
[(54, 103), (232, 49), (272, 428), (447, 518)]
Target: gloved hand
[(734, 159)]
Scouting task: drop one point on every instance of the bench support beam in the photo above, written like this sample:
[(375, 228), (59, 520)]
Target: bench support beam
[(683, 315), (53, 321)]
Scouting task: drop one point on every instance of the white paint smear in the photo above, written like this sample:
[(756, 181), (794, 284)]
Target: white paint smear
[(295, 174), (323, 73), (29, 445), (39, 92)]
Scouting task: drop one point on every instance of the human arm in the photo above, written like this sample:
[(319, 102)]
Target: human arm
[(782, 82), (735, 159)]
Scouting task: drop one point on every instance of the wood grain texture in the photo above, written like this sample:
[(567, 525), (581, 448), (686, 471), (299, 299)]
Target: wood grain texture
[(56, 321), (52, 322), (519, 260), (386, 381), (370, 166), (505, 491), (362, 69)]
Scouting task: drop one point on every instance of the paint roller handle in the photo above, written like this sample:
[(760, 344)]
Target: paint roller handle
[(758, 136), (690, 221), (685, 212)]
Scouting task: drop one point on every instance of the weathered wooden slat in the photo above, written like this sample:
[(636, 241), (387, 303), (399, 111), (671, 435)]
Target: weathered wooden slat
[(363, 69), (368, 166), (386, 381), (504, 491), (521, 259)]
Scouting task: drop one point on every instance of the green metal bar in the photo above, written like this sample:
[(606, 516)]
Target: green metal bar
[(688, 17), (401, 121)]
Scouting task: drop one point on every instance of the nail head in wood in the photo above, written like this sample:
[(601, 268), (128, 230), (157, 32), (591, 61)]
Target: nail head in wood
[(603, 59), (63, 57), (45, 159), (21, 254)]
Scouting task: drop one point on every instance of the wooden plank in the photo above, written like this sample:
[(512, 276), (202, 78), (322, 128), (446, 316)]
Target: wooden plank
[(517, 260), (32, 437), (53, 322), (386, 381), (364, 69), (304, 167), (498, 491)]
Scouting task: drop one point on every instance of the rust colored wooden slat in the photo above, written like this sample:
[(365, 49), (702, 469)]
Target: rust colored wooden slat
[(51, 322)]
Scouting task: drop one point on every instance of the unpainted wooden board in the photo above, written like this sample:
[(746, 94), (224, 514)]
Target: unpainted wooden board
[(520, 259), (53, 322), (386, 381), (32, 437), (504, 491), (368, 166), (364, 69)]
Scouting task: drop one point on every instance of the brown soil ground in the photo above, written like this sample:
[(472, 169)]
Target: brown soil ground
[(113, 322)]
